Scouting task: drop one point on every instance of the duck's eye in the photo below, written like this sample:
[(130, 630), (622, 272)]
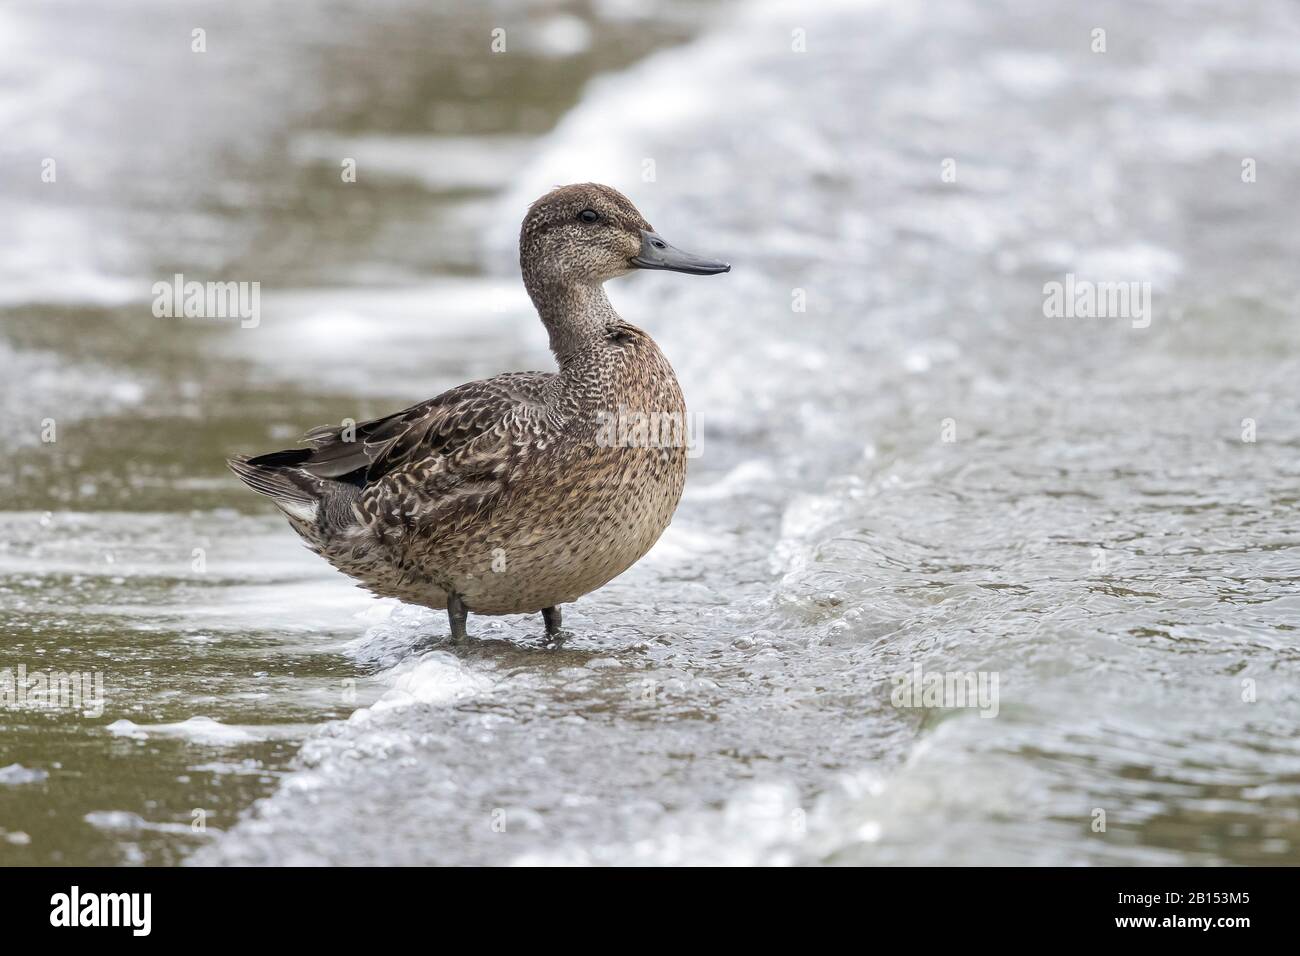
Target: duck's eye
[(589, 215)]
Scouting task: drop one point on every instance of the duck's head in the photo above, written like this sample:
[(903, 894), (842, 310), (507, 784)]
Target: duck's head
[(586, 234)]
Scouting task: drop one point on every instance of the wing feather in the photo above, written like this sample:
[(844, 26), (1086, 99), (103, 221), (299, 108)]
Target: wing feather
[(429, 444)]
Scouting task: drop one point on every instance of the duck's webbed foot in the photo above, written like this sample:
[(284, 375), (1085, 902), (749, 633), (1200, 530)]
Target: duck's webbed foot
[(551, 615), (457, 613)]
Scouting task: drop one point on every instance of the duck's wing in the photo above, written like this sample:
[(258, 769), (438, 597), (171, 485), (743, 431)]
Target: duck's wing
[(429, 431), (460, 439)]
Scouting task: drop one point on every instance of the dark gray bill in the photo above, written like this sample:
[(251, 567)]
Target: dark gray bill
[(657, 254)]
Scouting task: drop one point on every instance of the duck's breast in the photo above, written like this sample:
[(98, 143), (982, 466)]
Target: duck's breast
[(592, 501)]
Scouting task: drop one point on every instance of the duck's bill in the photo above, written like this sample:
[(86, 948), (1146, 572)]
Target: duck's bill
[(657, 254)]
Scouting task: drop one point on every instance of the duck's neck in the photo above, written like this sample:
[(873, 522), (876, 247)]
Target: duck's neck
[(575, 314)]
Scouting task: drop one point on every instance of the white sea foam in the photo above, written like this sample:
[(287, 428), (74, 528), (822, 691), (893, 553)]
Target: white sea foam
[(35, 385), (199, 730), (742, 479), (682, 544), (16, 775), (340, 335), (560, 36), (760, 824), (433, 677), (436, 679), (124, 823), (436, 162)]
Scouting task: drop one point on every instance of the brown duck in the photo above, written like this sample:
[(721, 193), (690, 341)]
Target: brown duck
[(525, 491)]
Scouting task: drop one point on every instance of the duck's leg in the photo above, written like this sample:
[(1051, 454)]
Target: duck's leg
[(551, 615), (457, 613)]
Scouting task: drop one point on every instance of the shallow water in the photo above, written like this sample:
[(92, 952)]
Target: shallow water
[(920, 469)]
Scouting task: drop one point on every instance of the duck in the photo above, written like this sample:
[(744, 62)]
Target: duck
[(519, 493)]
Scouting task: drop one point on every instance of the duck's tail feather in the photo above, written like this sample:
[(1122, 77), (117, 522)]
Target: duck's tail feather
[(270, 475)]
